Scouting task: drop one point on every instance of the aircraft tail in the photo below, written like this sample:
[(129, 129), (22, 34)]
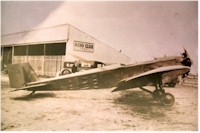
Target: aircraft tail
[(20, 74)]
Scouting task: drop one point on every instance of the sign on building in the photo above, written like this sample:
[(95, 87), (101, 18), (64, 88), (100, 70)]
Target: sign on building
[(83, 46)]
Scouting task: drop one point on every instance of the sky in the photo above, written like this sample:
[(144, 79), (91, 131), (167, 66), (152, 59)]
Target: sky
[(142, 30)]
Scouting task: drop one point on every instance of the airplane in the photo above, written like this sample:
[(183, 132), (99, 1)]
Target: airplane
[(158, 73)]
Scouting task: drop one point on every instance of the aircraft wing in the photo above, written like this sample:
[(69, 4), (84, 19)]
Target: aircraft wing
[(163, 74)]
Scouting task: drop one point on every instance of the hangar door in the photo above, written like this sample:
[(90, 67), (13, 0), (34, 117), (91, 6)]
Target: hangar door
[(46, 59), (54, 58), (6, 56)]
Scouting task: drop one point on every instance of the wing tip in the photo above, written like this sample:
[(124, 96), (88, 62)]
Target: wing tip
[(114, 89)]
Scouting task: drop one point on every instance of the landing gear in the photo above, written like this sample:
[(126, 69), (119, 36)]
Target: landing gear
[(167, 99), (159, 94), (32, 93)]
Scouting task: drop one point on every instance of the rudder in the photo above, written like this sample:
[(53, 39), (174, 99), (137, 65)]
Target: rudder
[(20, 74)]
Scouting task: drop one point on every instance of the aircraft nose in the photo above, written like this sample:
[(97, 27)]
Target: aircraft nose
[(187, 61)]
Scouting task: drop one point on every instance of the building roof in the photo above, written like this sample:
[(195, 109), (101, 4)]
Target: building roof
[(63, 33), (57, 33)]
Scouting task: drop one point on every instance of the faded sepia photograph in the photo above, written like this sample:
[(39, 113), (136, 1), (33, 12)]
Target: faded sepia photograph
[(99, 65)]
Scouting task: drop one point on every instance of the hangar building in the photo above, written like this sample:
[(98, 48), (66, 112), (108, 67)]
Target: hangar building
[(48, 49)]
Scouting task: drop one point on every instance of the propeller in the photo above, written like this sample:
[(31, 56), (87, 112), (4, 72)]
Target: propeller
[(187, 61)]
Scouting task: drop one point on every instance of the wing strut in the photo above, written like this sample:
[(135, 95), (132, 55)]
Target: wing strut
[(142, 88)]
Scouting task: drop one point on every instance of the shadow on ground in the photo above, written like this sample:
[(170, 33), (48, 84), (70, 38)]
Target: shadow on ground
[(34, 96), (141, 103), (136, 98)]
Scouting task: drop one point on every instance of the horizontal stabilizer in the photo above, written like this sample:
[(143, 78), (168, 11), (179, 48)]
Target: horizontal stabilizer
[(32, 87)]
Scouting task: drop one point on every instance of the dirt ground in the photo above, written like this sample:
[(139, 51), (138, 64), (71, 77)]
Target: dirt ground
[(97, 110)]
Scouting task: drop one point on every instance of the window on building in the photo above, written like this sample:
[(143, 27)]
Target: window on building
[(36, 49), (55, 49), (20, 50), (6, 55)]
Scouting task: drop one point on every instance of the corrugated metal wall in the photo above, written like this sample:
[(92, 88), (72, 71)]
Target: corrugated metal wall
[(43, 65), (37, 62), (46, 59), (53, 64), (19, 59)]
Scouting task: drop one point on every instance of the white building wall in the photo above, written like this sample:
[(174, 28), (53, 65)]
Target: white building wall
[(100, 52)]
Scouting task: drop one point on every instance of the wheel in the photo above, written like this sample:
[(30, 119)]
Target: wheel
[(167, 99), (157, 94), (65, 72)]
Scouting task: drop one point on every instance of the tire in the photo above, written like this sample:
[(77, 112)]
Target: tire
[(65, 72), (167, 99), (157, 94)]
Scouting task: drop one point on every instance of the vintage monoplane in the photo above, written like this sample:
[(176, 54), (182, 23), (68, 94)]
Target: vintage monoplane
[(158, 72)]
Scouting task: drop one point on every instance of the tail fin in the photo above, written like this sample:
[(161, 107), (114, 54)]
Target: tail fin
[(20, 74)]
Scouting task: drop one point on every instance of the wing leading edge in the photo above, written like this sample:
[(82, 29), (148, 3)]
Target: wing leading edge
[(163, 74)]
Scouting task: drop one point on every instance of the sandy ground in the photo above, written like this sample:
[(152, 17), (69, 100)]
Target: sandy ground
[(97, 110)]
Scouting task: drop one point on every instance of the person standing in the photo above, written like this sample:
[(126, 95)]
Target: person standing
[(75, 67)]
